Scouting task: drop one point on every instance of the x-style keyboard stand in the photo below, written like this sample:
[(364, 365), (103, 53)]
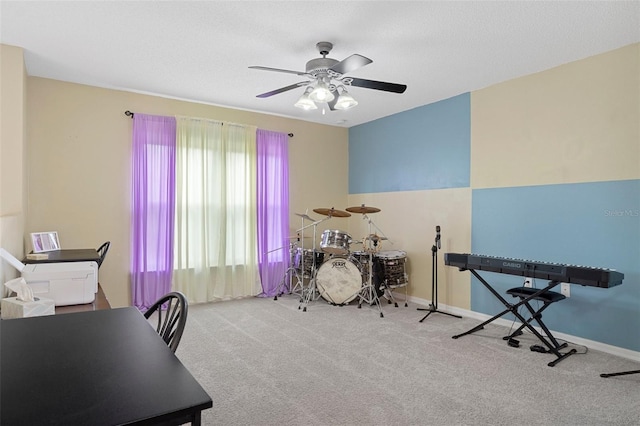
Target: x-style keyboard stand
[(549, 341)]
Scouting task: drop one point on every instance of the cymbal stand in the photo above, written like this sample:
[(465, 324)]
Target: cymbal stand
[(368, 293), (292, 270), (371, 223), (311, 291), (289, 274), (299, 287), (433, 306)]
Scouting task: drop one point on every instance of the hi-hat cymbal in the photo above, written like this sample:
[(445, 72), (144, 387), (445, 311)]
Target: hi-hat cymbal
[(332, 212), (374, 237), (363, 209)]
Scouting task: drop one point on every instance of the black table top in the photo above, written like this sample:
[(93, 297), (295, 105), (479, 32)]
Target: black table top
[(106, 367), (67, 255)]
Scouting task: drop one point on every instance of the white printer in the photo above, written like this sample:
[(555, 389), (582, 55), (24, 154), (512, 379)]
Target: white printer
[(67, 283)]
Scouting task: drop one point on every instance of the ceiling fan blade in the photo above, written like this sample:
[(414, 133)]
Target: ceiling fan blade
[(378, 85), (283, 89), (351, 63), (277, 70)]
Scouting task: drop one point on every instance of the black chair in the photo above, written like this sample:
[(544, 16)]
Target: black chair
[(102, 252), (171, 314)]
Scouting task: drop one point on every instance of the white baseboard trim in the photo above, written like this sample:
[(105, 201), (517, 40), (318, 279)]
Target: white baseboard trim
[(591, 344)]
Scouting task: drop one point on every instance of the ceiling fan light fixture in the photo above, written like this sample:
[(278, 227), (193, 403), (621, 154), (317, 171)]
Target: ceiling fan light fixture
[(345, 101), (321, 93), (304, 102)]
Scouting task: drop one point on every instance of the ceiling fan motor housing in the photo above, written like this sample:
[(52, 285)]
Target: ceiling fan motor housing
[(319, 65)]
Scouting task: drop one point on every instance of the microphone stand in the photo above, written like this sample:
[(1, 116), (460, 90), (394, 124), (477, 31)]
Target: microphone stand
[(433, 306)]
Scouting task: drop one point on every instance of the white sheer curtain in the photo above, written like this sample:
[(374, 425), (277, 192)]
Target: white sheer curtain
[(216, 224)]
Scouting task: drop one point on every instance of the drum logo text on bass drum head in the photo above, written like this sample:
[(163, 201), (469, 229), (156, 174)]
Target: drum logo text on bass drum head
[(338, 264)]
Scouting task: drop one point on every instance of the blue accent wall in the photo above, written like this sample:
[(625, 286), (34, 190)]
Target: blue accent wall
[(423, 148), (590, 224)]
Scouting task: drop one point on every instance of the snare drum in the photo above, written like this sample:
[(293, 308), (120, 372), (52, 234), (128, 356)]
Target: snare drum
[(305, 256), (393, 267), (335, 241), (339, 281)]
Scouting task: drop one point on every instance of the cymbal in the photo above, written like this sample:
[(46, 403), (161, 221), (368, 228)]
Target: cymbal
[(332, 212), (294, 237), (304, 216), (374, 237), (363, 209)]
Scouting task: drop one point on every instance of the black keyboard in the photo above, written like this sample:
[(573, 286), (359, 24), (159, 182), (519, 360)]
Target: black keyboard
[(574, 274)]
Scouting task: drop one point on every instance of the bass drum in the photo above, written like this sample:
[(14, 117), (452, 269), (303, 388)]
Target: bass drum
[(339, 281)]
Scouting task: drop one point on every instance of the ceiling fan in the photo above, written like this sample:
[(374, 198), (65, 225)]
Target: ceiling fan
[(326, 78)]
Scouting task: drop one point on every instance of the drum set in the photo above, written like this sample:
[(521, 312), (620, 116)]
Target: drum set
[(339, 274)]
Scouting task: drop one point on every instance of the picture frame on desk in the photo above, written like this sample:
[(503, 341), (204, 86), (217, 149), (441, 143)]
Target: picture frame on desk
[(45, 241)]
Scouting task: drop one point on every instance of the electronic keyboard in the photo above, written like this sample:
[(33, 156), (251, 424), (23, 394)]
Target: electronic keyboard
[(574, 274)]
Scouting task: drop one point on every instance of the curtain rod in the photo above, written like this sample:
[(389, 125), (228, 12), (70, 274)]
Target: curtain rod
[(130, 114)]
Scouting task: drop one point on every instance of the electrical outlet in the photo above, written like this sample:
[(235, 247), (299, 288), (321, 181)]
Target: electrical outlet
[(528, 282), (565, 289)]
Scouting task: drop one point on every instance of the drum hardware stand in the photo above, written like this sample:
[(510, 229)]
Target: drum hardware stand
[(299, 287), (311, 292), (433, 306), (370, 222), (387, 287), (391, 298), (289, 273), (368, 293)]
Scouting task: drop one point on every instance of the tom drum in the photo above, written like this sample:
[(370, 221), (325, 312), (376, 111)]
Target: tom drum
[(304, 259), (335, 241)]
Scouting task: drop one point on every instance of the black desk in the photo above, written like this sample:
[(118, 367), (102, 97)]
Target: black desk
[(67, 255), (100, 302), (94, 368)]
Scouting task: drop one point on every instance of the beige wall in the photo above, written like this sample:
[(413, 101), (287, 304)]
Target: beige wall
[(409, 220), (12, 157), (579, 122), (79, 170)]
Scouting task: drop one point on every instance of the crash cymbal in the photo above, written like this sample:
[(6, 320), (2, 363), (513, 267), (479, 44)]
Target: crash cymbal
[(332, 212), (294, 237), (304, 216), (363, 209)]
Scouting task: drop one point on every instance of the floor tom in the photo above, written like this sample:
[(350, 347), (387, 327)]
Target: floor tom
[(393, 267)]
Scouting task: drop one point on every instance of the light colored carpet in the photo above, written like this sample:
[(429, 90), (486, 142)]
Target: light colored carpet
[(266, 362)]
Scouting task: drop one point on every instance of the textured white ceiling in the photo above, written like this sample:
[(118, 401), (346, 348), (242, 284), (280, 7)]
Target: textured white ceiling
[(201, 51)]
